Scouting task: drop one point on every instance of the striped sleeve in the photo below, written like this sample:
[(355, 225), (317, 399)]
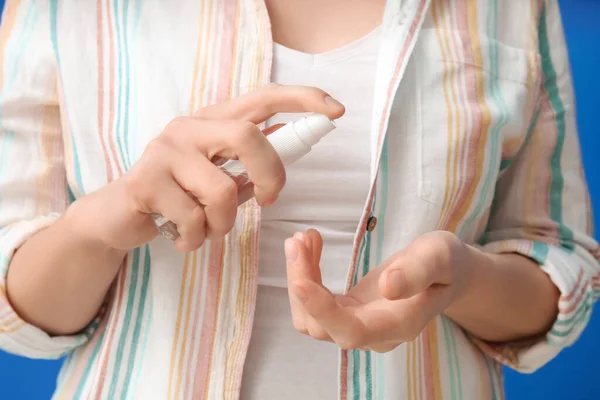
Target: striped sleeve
[(542, 206), (33, 188)]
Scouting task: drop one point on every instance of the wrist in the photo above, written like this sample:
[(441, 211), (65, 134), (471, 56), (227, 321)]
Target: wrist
[(477, 266), (78, 222)]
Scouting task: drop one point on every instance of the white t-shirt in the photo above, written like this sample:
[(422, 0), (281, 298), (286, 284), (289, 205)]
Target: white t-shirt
[(326, 190)]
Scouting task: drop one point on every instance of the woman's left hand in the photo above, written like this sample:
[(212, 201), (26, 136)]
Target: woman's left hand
[(392, 304)]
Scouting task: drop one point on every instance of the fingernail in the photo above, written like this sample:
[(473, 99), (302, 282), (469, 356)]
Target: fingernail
[(301, 294), (333, 103), (300, 236), (291, 250)]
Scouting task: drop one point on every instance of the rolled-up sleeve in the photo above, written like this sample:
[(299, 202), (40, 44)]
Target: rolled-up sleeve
[(542, 206), (33, 184)]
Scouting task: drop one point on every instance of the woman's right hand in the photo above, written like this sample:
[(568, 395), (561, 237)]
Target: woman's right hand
[(178, 161)]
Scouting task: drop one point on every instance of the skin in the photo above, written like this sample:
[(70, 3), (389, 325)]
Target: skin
[(62, 290), (437, 273), (59, 278)]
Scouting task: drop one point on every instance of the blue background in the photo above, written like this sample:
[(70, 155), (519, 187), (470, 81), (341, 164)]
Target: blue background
[(573, 373)]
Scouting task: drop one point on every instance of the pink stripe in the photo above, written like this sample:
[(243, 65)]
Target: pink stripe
[(120, 292), (427, 370), (107, 347), (81, 361), (454, 83), (191, 367), (362, 227), (252, 280), (100, 39), (111, 90), (224, 66), (468, 145), (209, 325)]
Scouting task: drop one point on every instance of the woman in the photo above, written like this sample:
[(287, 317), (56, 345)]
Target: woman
[(452, 189)]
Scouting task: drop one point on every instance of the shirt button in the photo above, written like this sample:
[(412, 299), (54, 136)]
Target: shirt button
[(371, 224)]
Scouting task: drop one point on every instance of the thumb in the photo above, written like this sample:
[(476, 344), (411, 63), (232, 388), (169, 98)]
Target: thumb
[(406, 278)]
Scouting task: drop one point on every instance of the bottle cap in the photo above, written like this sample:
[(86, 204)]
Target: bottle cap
[(313, 128)]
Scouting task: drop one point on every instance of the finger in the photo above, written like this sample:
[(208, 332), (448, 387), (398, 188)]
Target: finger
[(175, 204), (260, 105), (216, 191), (406, 277), (315, 246), (246, 142), (298, 313), (303, 266), (218, 140), (310, 255), (340, 323)]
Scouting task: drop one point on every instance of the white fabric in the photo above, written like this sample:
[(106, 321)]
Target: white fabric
[(325, 190)]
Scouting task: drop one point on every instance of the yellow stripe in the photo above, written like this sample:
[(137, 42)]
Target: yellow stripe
[(408, 371), (200, 44), (206, 63), (182, 292), (414, 373), (248, 244), (9, 16), (186, 324), (478, 168), (441, 31), (435, 359), (51, 143), (529, 206), (420, 367)]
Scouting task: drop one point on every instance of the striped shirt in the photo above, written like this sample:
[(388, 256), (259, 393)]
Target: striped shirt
[(482, 141)]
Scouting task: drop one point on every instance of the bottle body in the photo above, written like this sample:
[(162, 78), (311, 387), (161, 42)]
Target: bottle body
[(291, 142)]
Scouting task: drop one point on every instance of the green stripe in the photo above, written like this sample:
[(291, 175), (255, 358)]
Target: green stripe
[(557, 180), (539, 252), (504, 118), (355, 364), (54, 38), (490, 365), (133, 79), (15, 52), (360, 252), (7, 138), (122, 103), (90, 364), (356, 374), (132, 146), (135, 340), (504, 164), (126, 88), (580, 314), (135, 267), (368, 371), (383, 184), (121, 82), (136, 378), (13, 56), (561, 343), (449, 338)]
